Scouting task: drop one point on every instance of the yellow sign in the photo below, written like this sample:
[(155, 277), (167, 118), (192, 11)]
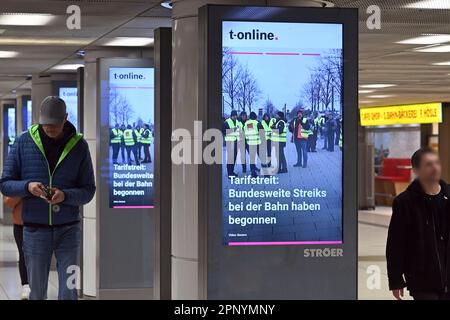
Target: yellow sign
[(403, 114)]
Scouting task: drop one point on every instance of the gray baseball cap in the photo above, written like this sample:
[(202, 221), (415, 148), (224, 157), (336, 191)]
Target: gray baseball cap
[(52, 111)]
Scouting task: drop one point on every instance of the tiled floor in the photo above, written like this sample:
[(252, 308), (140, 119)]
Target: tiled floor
[(10, 288), (372, 241), (372, 233)]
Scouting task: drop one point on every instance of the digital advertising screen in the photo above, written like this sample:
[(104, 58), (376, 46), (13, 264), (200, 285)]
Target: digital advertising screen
[(282, 93), (131, 138), (26, 113), (70, 97), (9, 127)]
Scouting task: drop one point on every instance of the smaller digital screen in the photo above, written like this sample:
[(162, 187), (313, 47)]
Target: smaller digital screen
[(26, 114), (131, 137), (9, 127), (70, 97)]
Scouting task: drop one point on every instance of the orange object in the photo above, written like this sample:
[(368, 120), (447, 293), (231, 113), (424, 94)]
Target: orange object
[(16, 205)]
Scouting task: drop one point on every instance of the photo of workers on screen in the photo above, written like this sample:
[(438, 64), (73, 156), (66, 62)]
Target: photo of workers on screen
[(282, 125)]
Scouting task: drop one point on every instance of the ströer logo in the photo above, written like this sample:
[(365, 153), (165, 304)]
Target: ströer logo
[(254, 34)]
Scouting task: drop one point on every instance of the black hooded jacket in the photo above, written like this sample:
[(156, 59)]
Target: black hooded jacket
[(412, 254)]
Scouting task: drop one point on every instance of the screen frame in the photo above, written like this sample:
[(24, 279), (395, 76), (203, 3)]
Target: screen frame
[(24, 111), (215, 258)]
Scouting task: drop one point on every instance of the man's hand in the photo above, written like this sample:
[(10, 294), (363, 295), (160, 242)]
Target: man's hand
[(58, 196), (398, 293), (35, 188)]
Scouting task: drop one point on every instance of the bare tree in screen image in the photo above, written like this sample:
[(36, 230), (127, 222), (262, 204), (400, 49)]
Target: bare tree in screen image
[(231, 73), (248, 90)]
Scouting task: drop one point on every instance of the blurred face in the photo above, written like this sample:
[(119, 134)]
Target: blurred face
[(429, 169), (54, 130)]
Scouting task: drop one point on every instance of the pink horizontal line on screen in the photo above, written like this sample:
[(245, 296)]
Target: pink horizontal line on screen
[(243, 52), (136, 87), (282, 53), (311, 54), (133, 207), (281, 243)]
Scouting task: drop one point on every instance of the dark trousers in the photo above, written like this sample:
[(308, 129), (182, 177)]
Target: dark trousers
[(302, 152), (312, 143), (431, 296), (132, 149), (147, 156), (122, 151), (253, 153), (336, 137), (282, 163), (232, 149), (139, 150), (115, 150), (18, 237), (330, 142), (265, 152), (244, 158)]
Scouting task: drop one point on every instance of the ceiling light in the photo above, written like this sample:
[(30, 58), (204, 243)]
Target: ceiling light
[(72, 66), (377, 86), (445, 63), (380, 96), (167, 4), (45, 41), (129, 42), (25, 19), (366, 91), (429, 4), (427, 39), (8, 54), (445, 48)]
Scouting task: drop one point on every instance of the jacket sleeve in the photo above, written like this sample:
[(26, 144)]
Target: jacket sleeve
[(85, 190), (396, 246), (11, 184)]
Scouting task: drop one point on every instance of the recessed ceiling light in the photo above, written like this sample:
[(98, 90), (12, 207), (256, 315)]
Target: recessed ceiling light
[(429, 4), (366, 101), (71, 66), (427, 39), (25, 19), (8, 54), (129, 42), (377, 86), (366, 91), (167, 4), (380, 96), (445, 48), (445, 63), (45, 41)]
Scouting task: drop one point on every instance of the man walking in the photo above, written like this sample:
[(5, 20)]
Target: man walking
[(50, 168), (417, 249)]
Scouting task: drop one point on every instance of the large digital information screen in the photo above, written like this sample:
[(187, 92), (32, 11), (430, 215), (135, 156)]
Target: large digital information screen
[(70, 97), (282, 87), (131, 126)]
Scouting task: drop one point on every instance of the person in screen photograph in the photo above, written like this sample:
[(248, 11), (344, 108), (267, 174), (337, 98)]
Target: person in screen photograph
[(243, 119), (146, 141), (252, 129), (301, 130), (417, 250), (279, 137), (130, 140), (231, 131)]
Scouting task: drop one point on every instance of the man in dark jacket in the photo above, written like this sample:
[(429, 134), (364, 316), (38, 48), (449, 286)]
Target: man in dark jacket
[(50, 168), (417, 248)]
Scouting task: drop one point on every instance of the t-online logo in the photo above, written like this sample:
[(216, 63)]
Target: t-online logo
[(254, 34)]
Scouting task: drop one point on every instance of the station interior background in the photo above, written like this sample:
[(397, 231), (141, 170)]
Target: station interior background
[(390, 73)]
